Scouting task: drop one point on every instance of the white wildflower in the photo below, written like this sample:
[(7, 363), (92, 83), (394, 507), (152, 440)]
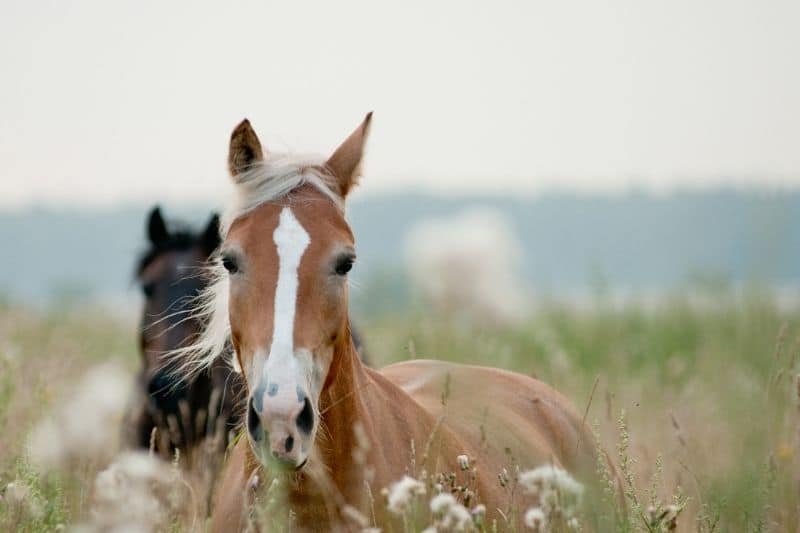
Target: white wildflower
[(663, 518), (550, 477), (463, 462), (136, 490), (452, 516), (479, 510), (16, 492), (19, 494), (535, 519), (457, 519), (558, 494), (549, 497), (671, 512), (442, 502), (85, 425), (401, 493)]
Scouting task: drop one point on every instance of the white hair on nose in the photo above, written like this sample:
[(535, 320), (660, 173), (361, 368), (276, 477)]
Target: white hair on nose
[(291, 240), (266, 181)]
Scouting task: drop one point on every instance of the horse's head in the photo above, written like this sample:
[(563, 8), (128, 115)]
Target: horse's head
[(170, 277), (287, 251)]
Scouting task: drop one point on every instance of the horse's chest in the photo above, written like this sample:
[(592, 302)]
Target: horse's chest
[(313, 509)]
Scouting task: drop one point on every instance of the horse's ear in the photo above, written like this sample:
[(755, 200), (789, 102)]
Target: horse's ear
[(245, 149), (345, 163), (211, 238), (156, 227)]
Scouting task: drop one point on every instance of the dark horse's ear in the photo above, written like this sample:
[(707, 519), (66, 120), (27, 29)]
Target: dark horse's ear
[(156, 227), (345, 163), (245, 149), (210, 239)]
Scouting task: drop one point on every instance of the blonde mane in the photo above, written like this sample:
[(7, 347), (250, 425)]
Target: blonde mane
[(265, 181)]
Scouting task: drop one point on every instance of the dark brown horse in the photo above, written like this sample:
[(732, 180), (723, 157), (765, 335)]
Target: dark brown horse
[(182, 412)]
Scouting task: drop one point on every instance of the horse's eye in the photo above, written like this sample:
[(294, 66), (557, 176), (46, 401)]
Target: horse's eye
[(148, 289), (230, 264), (344, 265)]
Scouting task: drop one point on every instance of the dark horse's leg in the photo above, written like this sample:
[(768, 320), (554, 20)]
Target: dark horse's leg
[(137, 425)]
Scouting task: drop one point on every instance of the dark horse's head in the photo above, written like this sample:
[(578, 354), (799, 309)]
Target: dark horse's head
[(171, 276)]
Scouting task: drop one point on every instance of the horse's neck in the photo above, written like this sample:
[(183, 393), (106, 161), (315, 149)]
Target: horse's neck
[(369, 430), (363, 416), (341, 405)]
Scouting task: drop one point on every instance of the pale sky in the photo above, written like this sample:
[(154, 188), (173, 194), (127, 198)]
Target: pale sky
[(105, 103)]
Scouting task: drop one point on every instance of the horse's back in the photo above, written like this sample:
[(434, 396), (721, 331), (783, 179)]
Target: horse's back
[(522, 418)]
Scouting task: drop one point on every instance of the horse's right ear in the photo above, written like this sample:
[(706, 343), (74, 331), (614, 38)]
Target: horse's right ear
[(345, 163), (157, 230), (245, 149)]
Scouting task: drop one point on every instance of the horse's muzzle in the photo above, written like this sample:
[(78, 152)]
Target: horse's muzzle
[(280, 426)]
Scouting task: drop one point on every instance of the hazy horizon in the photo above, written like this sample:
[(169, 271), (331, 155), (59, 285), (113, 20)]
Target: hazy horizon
[(568, 243)]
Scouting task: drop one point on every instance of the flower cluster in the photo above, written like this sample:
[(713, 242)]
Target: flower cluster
[(136, 489), (84, 425), (18, 494), (452, 505), (559, 496), (449, 514), (663, 518), (401, 494)]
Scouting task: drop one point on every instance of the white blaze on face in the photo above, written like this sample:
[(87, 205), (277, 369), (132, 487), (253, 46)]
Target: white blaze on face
[(282, 367), (292, 240)]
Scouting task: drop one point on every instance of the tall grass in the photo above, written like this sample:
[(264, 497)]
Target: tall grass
[(697, 403), (709, 387)]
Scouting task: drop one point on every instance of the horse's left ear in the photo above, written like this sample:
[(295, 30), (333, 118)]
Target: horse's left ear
[(245, 149), (157, 230), (345, 163), (211, 238)]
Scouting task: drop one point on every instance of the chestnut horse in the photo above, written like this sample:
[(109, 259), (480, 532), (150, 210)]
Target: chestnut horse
[(170, 274), (340, 430)]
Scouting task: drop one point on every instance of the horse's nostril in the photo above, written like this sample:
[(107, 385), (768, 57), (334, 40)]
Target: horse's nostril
[(253, 422), (289, 443), (305, 420)]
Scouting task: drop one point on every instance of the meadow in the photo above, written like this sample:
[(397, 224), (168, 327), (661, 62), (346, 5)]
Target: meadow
[(696, 397)]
